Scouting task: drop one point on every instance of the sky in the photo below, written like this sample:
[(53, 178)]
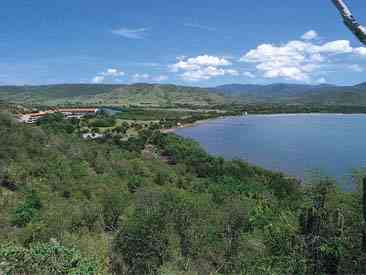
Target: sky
[(186, 42)]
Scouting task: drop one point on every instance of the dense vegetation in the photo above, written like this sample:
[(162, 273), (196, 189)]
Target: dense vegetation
[(288, 109), (155, 95), (146, 95), (159, 204)]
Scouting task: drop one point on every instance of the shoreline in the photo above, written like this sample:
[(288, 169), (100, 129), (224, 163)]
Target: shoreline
[(188, 125), (198, 122)]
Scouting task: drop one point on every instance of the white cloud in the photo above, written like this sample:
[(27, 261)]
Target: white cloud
[(110, 73), (202, 67), (321, 80), (334, 47), (140, 77), (297, 60), (231, 72), (360, 51), (195, 63), (130, 33), (310, 35), (249, 74), (98, 79), (160, 78), (356, 68), (113, 72), (146, 77), (207, 73), (185, 66)]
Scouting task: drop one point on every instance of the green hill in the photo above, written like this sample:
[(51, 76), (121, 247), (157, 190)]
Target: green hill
[(116, 95), (296, 94), (154, 95), (161, 205)]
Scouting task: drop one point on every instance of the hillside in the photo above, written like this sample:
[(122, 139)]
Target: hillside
[(136, 94), (128, 212), (296, 94), (152, 95), (161, 205)]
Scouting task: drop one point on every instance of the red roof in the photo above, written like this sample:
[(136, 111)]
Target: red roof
[(73, 110), (79, 110)]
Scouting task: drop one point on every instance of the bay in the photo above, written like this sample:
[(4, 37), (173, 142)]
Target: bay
[(299, 145)]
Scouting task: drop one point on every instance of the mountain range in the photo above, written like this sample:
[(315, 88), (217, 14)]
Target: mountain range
[(323, 94), (145, 94)]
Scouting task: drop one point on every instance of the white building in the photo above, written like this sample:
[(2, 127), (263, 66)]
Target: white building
[(68, 113)]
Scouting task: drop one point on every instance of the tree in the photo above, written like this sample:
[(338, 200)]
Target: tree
[(322, 227), (140, 247), (50, 258), (235, 223), (114, 203), (27, 210)]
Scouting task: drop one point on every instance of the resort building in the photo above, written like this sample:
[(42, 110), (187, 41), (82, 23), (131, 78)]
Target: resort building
[(68, 113)]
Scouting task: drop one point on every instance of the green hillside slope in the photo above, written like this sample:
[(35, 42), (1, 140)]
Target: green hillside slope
[(69, 206), (137, 94)]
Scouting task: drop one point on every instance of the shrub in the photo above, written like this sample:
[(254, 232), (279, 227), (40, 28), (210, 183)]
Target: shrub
[(27, 210), (50, 258)]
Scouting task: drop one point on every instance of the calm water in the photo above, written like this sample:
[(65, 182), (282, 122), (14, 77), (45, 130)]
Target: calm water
[(298, 145)]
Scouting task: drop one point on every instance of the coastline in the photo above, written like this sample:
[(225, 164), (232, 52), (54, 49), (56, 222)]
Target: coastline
[(188, 125), (198, 122)]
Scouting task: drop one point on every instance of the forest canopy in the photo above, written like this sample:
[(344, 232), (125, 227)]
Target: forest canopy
[(162, 205)]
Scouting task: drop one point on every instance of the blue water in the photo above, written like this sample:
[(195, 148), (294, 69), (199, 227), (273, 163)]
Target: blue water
[(299, 145)]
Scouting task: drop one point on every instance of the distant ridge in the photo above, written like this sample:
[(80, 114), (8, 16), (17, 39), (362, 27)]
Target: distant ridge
[(147, 94), (144, 94), (296, 93)]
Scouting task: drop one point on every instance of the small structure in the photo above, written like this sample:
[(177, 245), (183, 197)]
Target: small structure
[(92, 135), (32, 117), (78, 112)]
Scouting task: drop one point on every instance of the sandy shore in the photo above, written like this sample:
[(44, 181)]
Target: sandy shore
[(172, 130), (188, 125)]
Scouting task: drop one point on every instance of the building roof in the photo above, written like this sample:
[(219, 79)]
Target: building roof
[(71, 110), (78, 110)]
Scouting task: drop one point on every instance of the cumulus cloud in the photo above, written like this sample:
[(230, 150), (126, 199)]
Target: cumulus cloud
[(110, 73), (310, 35), (249, 74), (321, 80), (113, 73), (141, 77), (98, 79), (195, 63), (356, 68), (207, 73), (297, 60), (160, 78), (202, 67), (130, 33), (360, 51)]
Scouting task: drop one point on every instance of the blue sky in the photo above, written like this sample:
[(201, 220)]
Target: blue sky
[(189, 42)]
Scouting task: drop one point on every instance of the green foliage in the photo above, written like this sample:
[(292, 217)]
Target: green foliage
[(57, 123), (27, 210), (114, 204), (102, 121), (180, 211), (301, 98), (142, 242), (50, 258), (111, 95)]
